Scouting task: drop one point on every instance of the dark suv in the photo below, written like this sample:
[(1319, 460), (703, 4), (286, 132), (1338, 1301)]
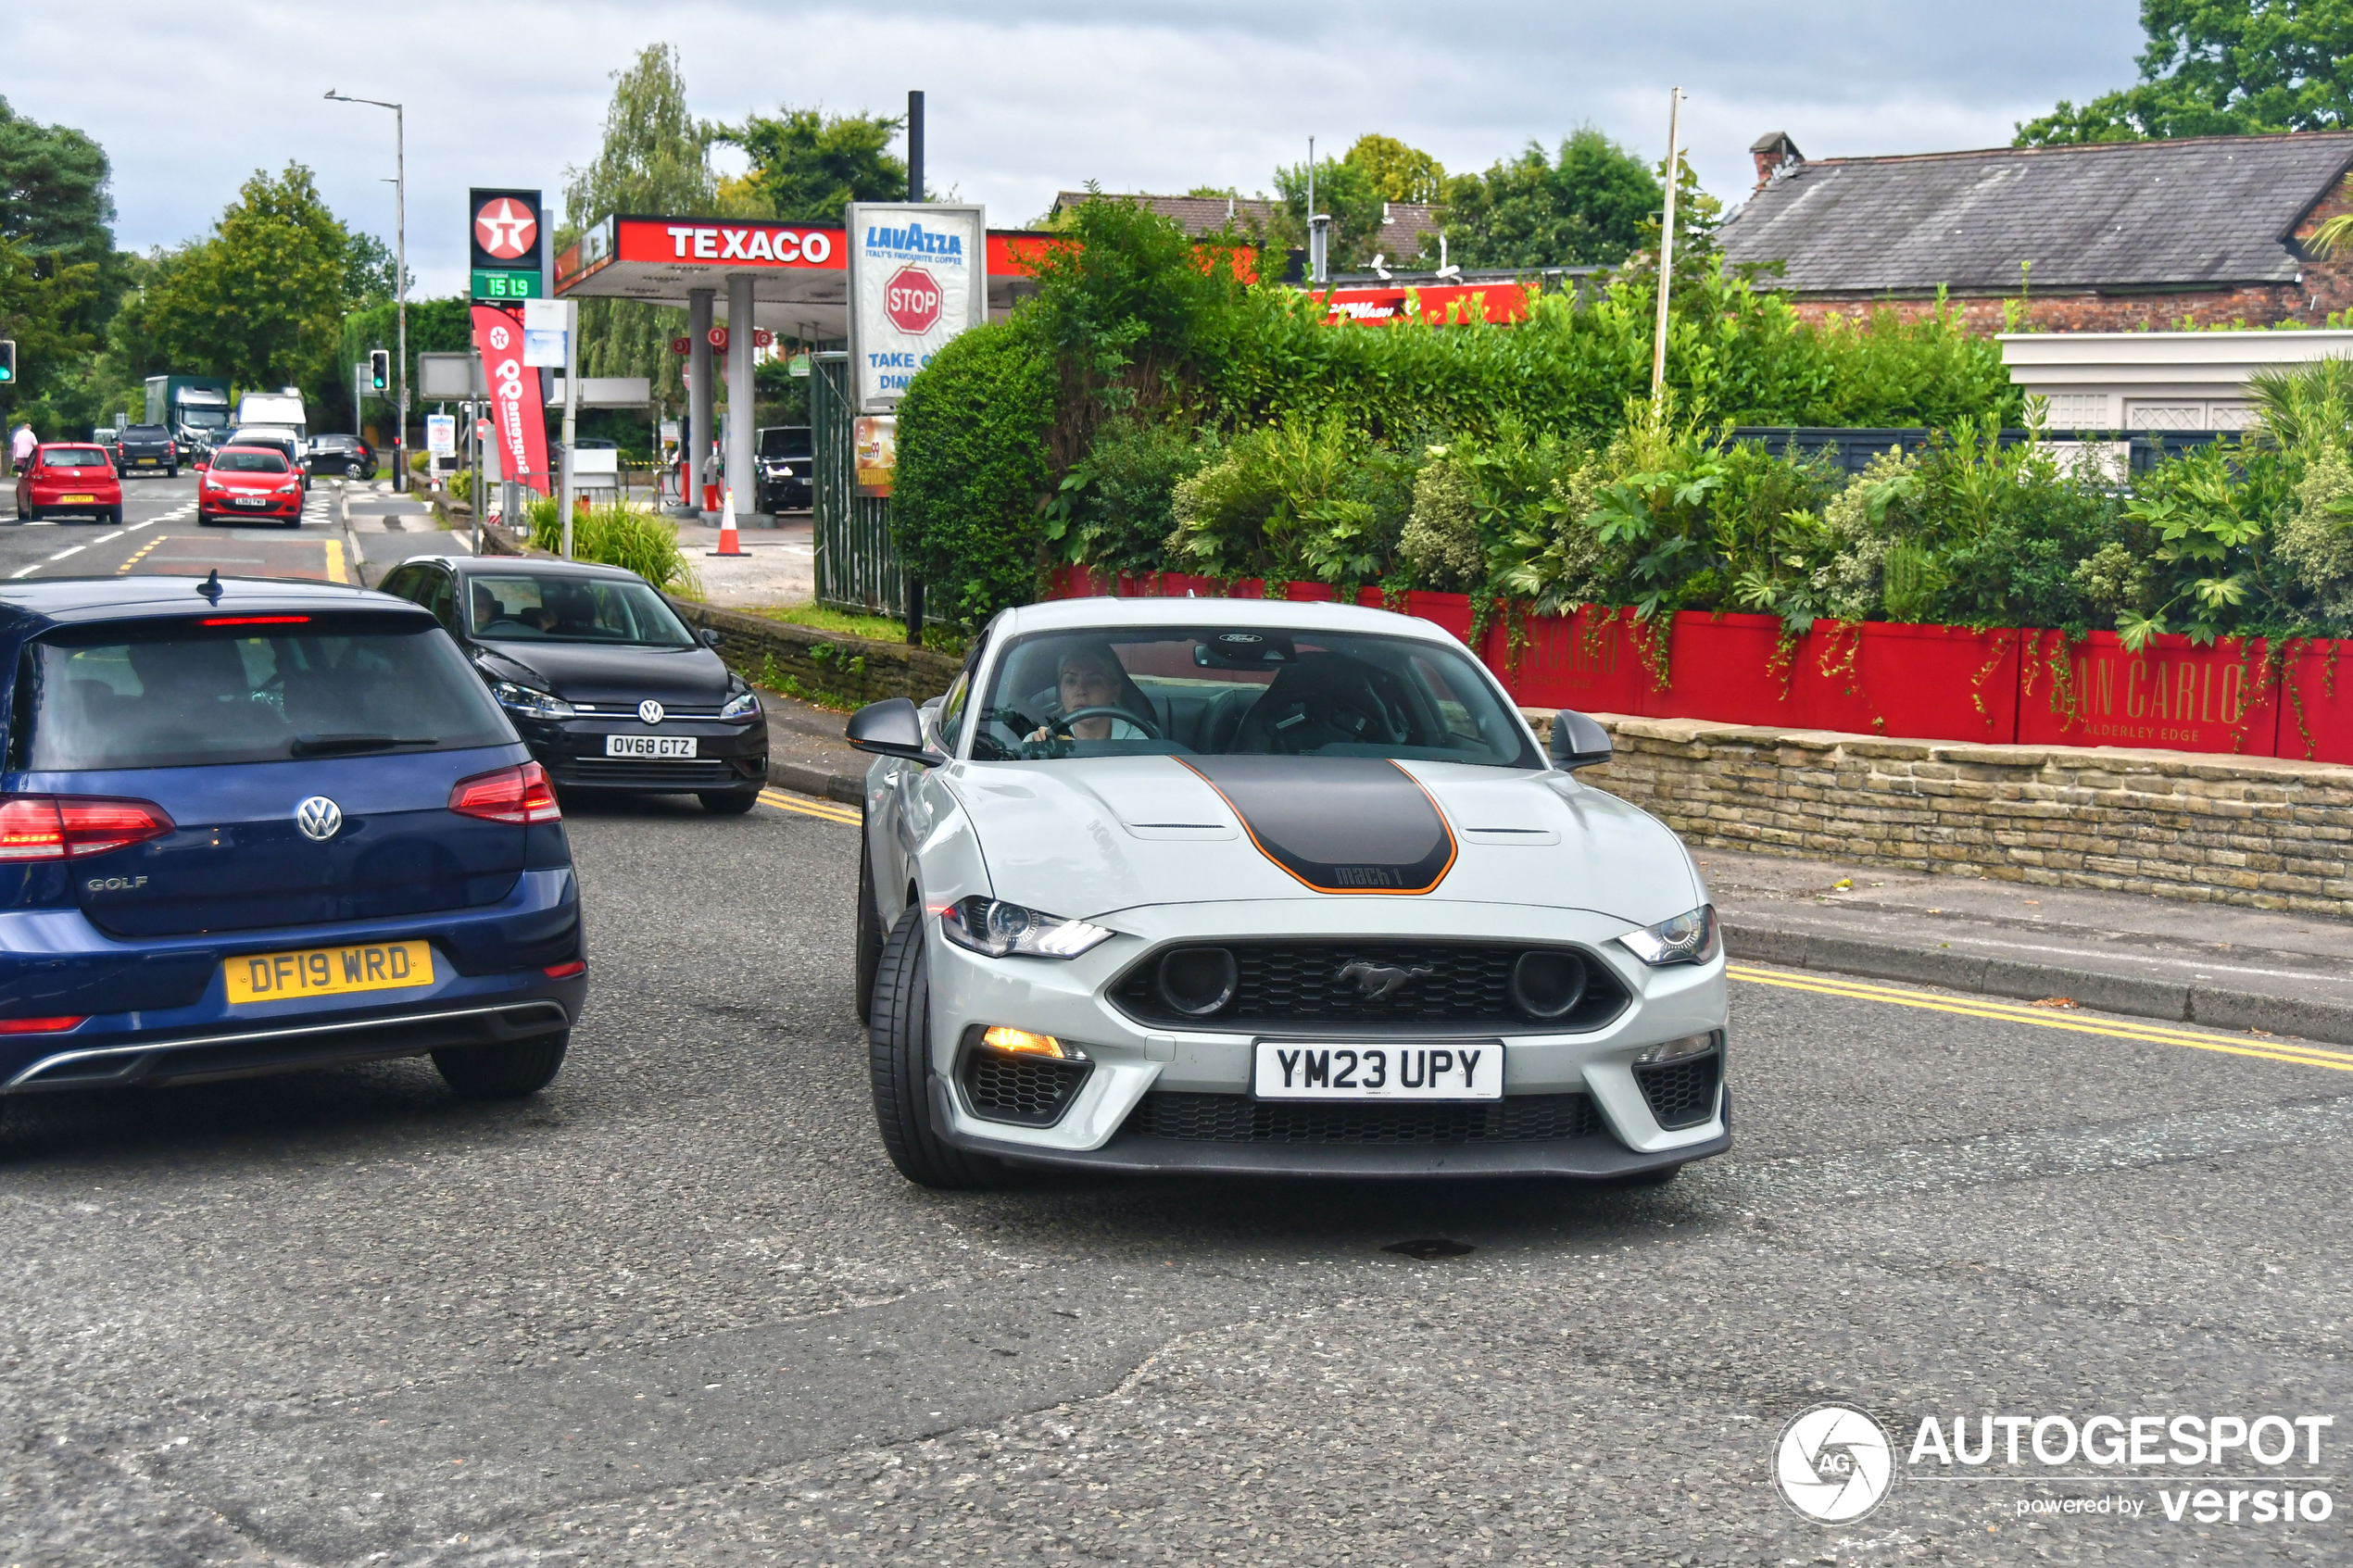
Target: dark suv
[(345, 455), (787, 462), (146, 450)]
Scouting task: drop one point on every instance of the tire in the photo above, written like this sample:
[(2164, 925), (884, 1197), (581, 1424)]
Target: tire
[(870, 931), (353, 470), (112, 519), (729, 802), (507, 1071), (898, 1062), (172, 472)]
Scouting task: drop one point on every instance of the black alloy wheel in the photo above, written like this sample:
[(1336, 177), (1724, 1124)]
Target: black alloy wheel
[(898, 1061)]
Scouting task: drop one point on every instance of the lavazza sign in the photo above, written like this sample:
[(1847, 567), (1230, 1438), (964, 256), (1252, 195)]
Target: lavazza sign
[(918, 276)]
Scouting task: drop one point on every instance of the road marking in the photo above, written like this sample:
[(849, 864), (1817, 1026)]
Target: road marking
[(830, 810), (116, 535), (141, 554), (2045, 1018), (334, 561), (149, 524), (73, 550), (24, 572)]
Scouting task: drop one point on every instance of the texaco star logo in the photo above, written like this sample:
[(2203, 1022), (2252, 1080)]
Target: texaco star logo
[(507, 229)]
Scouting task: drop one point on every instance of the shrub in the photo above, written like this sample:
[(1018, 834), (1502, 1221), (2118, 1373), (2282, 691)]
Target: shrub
[(974, 472), (613, 534), (1298, 501), (1115, 508)]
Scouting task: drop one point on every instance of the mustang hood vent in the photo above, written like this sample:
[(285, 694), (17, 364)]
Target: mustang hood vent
[(1339, 824)]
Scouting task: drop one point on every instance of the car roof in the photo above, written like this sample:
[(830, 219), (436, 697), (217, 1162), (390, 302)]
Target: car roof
[(32, 606), (1292, 615), (532, 566)]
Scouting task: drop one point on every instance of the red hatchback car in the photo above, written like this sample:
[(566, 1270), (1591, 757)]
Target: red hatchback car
[(73, 479), (249, 482)]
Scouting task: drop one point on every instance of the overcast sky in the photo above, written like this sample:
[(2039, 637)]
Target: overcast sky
[(1025, 97)]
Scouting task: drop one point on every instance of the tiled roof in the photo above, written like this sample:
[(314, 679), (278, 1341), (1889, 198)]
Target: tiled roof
[(2195, 212), (1401, 237), (1198, 215)]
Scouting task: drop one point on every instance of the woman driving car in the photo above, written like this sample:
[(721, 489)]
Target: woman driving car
[(1088, 676)]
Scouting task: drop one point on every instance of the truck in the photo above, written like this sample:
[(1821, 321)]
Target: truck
[(191, 407), (280, 410)]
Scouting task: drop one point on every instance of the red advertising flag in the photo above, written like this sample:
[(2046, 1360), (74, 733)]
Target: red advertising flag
[(518, 419)]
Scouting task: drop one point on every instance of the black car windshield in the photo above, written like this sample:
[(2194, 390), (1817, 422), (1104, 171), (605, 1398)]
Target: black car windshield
[(75, 457), (527, 607), (245, 459), (1228, 690), (786, 441), (180, 695)]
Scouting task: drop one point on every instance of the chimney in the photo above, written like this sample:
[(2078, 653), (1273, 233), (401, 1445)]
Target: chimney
[(1776, 154)]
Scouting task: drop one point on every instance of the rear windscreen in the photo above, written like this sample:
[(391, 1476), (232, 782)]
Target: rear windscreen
[(182, 695), (74, 457)]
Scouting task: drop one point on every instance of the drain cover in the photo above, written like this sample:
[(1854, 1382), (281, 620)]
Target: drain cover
[(1436, 1247)]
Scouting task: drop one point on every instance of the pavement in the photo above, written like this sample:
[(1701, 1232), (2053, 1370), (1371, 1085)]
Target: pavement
[(678, 1308)]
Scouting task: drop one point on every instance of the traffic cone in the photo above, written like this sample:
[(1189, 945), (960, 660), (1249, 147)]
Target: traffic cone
[(729, 544)]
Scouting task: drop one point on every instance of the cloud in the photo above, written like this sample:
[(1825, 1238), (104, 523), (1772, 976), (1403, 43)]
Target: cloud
[(1023, 99)]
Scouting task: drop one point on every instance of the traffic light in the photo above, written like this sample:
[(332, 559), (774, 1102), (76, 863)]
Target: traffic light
[(7, 362), (379, 370)]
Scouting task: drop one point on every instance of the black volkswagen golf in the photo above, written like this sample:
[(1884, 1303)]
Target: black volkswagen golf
[(605, 684)]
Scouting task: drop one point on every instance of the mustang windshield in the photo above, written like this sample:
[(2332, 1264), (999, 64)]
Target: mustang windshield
[(1222, 690)]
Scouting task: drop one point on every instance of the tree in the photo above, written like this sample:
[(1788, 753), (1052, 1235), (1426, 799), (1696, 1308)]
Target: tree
[(654, 158), (807, 166), (1401, 173), (1343, 189), (261, 300), (1587, 208), (59, 276), (2221, 67)]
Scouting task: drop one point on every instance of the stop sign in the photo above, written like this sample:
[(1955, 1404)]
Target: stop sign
[(912, 300)]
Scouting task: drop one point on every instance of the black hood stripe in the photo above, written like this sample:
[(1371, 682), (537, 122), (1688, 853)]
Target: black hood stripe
[(1339, 824)]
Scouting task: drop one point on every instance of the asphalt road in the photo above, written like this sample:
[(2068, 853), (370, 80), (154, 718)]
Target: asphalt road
[(160, 534), (679, 1309)]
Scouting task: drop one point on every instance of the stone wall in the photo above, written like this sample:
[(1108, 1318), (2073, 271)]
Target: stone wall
[(2270, 833), (862, 671)]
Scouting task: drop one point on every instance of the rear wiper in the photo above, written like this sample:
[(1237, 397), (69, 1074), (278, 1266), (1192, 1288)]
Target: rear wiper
[(319, 745)]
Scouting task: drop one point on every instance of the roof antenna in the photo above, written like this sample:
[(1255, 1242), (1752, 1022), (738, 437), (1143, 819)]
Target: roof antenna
[(210, 587)]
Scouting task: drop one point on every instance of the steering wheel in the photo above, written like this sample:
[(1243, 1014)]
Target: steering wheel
[(1062, 724)]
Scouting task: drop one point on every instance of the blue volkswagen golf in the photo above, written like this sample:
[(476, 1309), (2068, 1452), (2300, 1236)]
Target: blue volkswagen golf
[(248, 827)]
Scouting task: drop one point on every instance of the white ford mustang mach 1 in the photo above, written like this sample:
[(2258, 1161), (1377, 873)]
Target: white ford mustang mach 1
[(1230, 885)]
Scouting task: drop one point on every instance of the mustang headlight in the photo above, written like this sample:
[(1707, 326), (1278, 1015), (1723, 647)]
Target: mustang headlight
[(742, 702), (1001, 930), (1691, 937), (529, 703)]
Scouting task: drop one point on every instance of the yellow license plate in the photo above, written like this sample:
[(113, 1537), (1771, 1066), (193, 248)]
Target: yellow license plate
[(327, 972), (76, 500)]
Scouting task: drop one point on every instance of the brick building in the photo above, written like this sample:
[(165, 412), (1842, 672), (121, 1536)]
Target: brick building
[(2121, 236)]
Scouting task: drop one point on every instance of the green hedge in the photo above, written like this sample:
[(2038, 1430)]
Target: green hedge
[(972, 470)]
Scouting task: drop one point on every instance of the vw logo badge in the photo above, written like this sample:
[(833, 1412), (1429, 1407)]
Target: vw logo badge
[(319, 818), (649, 712)]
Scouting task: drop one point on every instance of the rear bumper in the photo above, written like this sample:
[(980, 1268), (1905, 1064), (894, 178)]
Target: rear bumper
[(490, 982), (206, 1057)]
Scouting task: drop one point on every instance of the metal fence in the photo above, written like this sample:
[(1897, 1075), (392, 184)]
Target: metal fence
[(1852, 449), (857, 569)]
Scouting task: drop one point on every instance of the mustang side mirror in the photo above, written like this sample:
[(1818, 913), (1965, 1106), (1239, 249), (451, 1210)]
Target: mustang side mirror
[(892, 728), (709, 637), (1577, 742)]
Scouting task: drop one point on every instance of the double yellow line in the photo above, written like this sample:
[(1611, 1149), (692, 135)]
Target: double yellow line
[(2045, 1018), (827, 811)]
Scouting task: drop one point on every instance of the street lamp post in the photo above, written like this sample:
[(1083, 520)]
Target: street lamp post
[(400, 276)]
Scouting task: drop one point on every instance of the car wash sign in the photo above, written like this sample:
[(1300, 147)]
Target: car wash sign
[(918, 276)]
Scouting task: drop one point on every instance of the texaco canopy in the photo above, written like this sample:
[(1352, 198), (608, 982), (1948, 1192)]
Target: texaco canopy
[(800, 281)]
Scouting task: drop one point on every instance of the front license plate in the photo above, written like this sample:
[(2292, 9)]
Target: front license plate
[(649, 746), (76, 500), (328, 972), (1324, 1070), (248, 500)]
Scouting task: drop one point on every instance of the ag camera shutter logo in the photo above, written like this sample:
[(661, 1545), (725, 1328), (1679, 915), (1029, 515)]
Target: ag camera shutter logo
[(1834, 1463)]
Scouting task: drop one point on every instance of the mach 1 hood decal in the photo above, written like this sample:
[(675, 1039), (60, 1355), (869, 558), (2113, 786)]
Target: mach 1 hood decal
[(1339, 824)]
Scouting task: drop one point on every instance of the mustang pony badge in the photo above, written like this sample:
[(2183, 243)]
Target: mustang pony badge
[(1380, 980)]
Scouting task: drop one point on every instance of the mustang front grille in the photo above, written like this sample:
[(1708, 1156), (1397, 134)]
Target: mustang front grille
[(1683, 1094), (1288, 984), (1239, 1119)]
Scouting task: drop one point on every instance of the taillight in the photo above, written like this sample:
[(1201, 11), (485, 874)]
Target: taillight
[(52, 827), (510, 795), (40, 1025)]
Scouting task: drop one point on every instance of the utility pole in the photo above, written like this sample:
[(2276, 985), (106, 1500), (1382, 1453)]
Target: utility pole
[(915, 193), (572, 410), (400, 275), (1665, 260)]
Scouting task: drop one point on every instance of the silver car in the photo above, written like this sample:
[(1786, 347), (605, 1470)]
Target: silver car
[(1275, 889)]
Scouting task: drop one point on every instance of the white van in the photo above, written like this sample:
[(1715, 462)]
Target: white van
[(277, 411)]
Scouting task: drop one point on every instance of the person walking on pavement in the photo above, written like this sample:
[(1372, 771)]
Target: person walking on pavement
[(21, 446)]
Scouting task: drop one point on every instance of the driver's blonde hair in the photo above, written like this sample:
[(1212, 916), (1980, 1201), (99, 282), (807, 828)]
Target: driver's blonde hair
[(1095, 656)]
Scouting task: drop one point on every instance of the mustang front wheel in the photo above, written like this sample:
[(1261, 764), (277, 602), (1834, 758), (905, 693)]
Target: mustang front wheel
[(898, 1061)]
